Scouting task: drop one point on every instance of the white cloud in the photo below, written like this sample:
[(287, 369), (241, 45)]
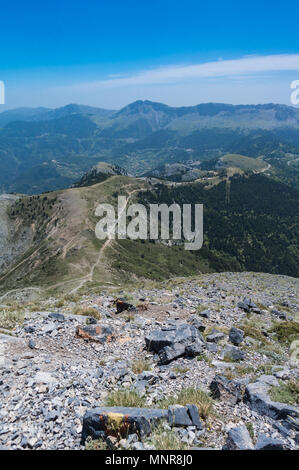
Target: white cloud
[(222, 68), (248, 80)]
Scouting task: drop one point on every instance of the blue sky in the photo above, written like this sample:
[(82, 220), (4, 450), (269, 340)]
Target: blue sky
[(179, 52)]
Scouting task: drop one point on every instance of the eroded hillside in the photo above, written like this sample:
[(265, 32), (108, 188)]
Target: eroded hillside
[(249, 224)]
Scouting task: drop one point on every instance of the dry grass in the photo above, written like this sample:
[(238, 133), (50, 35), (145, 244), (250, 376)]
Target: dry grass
[(125, 397), (286, 332), (250, 329), (71, 298), (140, 365), (10, 318), (201, 399), (180, 370), (87, 311), (129, 317), (207, 359), (95, 445), (229, 373), (166, 439), (59, 303), (286, 392)]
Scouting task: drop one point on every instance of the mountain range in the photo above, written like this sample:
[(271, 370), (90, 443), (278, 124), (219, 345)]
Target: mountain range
[(48, 149), (240, 162)]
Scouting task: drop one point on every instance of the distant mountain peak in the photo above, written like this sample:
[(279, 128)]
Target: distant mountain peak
[(141, 106)]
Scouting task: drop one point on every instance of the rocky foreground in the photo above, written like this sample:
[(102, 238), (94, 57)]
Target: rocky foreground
[(93, 372)]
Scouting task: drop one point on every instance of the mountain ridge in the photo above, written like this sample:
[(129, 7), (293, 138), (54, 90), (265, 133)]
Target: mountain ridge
[(208, 108), (140, 137), (54, 242)]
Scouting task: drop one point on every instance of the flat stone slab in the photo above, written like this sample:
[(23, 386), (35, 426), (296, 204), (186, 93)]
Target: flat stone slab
[(120, 421)]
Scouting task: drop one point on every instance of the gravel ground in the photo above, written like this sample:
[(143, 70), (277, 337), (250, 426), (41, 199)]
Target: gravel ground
[(50, 377)]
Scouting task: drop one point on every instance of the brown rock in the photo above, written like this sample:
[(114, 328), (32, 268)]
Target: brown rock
[(97, 333)]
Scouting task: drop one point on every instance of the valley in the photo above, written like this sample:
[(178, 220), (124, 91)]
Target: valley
[(45, 150)]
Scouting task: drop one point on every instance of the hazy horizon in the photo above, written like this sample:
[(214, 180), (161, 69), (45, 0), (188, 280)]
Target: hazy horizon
[(110, 54), (3, 108)]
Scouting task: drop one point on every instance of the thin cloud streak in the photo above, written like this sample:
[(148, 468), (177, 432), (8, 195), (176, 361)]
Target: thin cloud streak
[(222, 68)]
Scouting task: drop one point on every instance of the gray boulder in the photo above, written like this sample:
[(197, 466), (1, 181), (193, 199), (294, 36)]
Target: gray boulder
[(225, 389), (158, 339), (246, 304), (238, 439), (197, 323), (194, 415), (184, 416), (268, 443), (31, 344), (205, 313), (243, 306), (212, 347), (194, 349), (232, 353), (169, 353), (171, 342), (236, 336), (29, 329)]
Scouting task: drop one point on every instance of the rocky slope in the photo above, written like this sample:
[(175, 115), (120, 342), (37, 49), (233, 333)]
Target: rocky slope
[(13, 239), (64, 356)]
